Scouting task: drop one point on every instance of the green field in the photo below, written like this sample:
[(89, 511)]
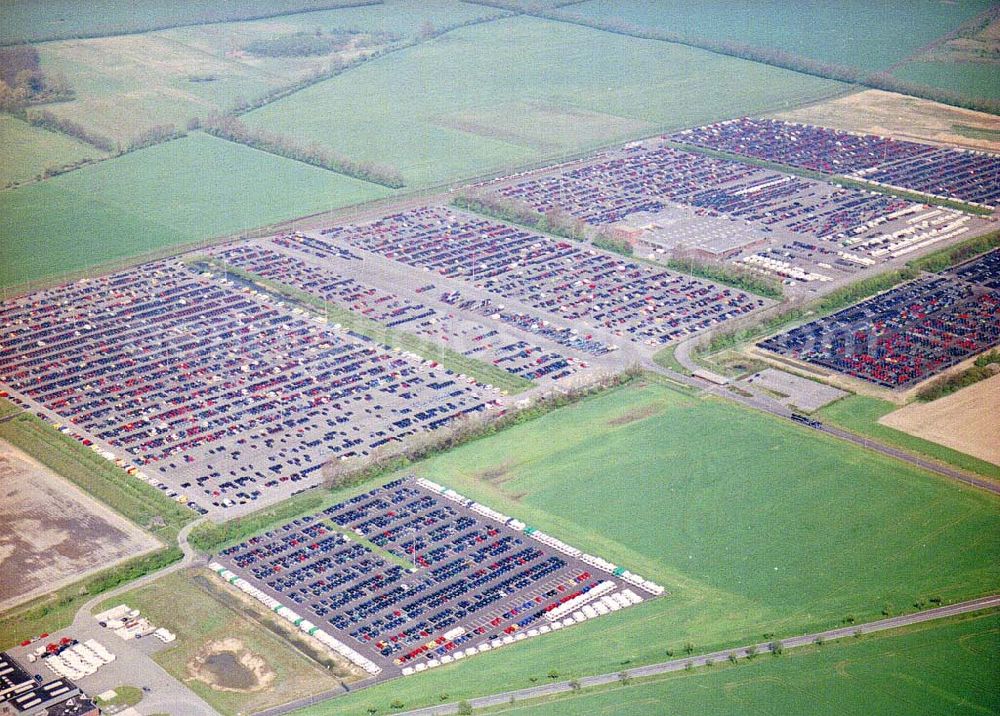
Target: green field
[(515, 91), (753, 524), (856, 33), (860, 414), (22, 20), (928, 670), (199, 609), (975, 79), (181, 191), (28, 150), (127, 84), (402, 17)]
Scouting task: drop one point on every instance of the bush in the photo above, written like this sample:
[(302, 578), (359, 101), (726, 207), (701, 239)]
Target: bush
[(300, 44), (235, 130), (464, 707)]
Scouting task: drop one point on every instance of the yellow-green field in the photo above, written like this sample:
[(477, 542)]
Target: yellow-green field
[(515, 91), (27, 150), (182, 191)]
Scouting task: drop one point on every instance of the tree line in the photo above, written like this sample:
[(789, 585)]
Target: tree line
[(985, 366), (235, 130), (555, 221)]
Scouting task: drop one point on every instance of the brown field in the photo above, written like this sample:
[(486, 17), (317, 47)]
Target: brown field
[(968, 420), (51, 533), (902, 117)]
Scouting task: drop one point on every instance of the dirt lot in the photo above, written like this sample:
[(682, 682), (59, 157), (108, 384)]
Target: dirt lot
[(51, 533), (896, 115), (966, 420)]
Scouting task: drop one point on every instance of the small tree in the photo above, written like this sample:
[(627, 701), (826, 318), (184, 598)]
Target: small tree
[(777, 648), (397, 704), (575, 685), (624, 679), (732, 657), (464, 708), (427, 30), (688, 648), (553, 674), (751, 652)]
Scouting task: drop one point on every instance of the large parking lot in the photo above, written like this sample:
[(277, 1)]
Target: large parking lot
[(224, 397), (908, 334), (668, 202), (566, 281), (411, 575), (941, 171)]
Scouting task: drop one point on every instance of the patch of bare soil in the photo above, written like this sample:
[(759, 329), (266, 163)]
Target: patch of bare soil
[(227, 665), (896, 115)]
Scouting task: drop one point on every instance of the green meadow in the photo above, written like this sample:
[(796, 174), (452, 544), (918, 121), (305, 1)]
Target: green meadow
[(502, 94), (170, 194), (753, 524)]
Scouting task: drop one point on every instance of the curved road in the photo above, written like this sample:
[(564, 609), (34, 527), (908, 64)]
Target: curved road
[(134, 666), (742, 652)]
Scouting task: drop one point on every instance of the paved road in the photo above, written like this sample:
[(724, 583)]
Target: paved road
[(739, 653), (134, 664)]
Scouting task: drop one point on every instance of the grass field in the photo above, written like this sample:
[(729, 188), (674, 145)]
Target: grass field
[(127, 84), (870, 36), (34, 21), (198, 616), (775, 530), (28, 150), (975, 79), (939, 668), (860, 414), (401, 17), (515, 91), (181, 191)]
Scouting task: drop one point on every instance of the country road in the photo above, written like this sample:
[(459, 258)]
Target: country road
[(742, 652)]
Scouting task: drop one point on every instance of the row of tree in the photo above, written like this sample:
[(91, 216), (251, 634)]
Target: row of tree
[(235, 130), (728, 274), (985, 366), (555, 221)]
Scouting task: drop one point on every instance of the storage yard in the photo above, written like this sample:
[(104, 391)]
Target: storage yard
[(903, 336), (478, 579), (563, 279), (216, 395), (948, 173), (52, 534), (805, 232)]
